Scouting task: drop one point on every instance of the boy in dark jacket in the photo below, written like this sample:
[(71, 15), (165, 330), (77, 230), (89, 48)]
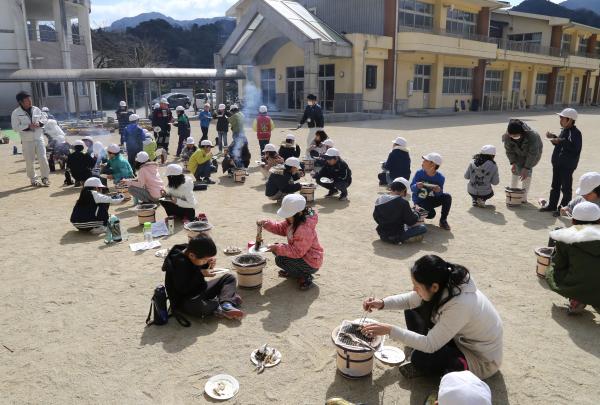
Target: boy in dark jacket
[(396, 221), (123, 119), (162, 117), (280, 184), (428, 189), (80, 164), (397, 164), (565, 158), (183, 128), (222, 117), (313, 116), (186, 267), (289, 148), (338, 172)]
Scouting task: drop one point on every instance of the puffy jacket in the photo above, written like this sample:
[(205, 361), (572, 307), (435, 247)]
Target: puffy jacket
[(237, 123), (123, 118), (398, 164), (20, 120), (287, 150), (575, 268), (184, 194), (525, 152), (313, 115), (119, 168), (391, 213), (282, 182), (80, 165), (150, 149), (134, 139), (481, 178), (566, 152), (303, 243), (205, 117), (149, 178), (197, 159), (183, 279), (337, 172), (263, 125), (222, 121)]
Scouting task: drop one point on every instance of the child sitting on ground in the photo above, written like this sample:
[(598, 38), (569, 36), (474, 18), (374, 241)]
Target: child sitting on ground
[(148, 186), (178, 199), (190, 148), (270, 158), (338, 173), (397, 163), (79, 164), (482, 173), (428, 189), (186, 268), (289, 147), (200, 164), (117, 167), (302, 255), (396, 220), (281, 184), (588, 190), (90, 213)]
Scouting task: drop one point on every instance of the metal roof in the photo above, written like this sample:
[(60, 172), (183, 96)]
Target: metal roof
[(82, 75)]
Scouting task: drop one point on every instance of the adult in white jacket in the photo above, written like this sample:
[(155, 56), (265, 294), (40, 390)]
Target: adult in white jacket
[(28, 121), (451, 325)]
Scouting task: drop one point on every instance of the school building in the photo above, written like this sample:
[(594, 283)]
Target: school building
[(399, 55)]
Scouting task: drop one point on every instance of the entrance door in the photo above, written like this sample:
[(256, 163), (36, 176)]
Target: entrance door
[(327, 86), (295, 87), (267, 86), (421, 81)]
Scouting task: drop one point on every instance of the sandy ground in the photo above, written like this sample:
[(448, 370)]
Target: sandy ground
[(74, 309)]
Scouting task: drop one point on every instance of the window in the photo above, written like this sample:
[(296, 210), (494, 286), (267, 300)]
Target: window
[(414, 13), (296, 72), (327, 70), (54, 89), (327, 86), (295, 87), (461, 22), (541, 83), (575, 90), (598, 48), (457, 80), (493, 81), (582, 45), (371, 79), (267, 86), (560, 90), (565, 45), (422, 78), (516, 84), (530, 38)]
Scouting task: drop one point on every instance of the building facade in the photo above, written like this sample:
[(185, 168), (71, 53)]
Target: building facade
[(47, 34), (398, 55)]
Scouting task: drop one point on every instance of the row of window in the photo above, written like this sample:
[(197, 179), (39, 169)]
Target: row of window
[(55, 89), (417, 14)]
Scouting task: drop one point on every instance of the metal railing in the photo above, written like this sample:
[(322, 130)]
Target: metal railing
[(530, 48), (586, 54), (443, 32)]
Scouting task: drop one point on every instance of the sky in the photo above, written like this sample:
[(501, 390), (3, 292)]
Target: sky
[(104, 12)]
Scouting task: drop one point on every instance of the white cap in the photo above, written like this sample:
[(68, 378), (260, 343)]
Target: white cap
[(164, 101), (403, 181), (433, 157), (568, 113), (234, 107), (293, 162), (270, 148), (45, 109), (291, 205), (93, 182), (174, 170), (142, 157), (588, 182), (87, 138), (221, 106), (122, 104), (262, 109), (586, 211), (488, 150), (190, 141), (113, 148), (179, 108), (332, 152), (78, 143), (156, 105), (328, 142), (290, 137), (134, 117), (463, 388), (206, 142), (400, 142)]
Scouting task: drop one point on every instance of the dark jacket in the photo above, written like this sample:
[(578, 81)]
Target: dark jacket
[(162, 119), (313, 115), (391, 213), (566, 152), (183, 126), (282, 182), (183, 279), (80, 165), (222, 121), (134, 139), (123, 118), (287, 152), (338, 172), (525, 152), (88, 214), (398, 164)]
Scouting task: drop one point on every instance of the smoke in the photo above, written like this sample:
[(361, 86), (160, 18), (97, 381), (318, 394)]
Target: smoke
[(252, 99)]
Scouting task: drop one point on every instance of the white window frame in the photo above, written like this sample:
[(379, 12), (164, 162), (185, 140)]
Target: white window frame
[(457, 80), (541, 83), (457, 23), (409, 8), (420, 78), (575, 90), (493, 81)]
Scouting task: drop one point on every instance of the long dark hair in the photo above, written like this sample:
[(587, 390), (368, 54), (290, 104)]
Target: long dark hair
[(431, 269), (300, 218), (481, 159), (176, 181), (322, 135)]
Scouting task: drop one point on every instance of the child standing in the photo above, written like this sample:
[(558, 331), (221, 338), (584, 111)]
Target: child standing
[(397, 163), (302, 255), (222, 117), (205, 116), (263, 126), (482, 173), (428, 189), (80, 164), (91, 209), (183, 128), (118, 168)]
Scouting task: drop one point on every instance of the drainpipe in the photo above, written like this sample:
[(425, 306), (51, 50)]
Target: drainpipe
[(364, 73), (395, 45)]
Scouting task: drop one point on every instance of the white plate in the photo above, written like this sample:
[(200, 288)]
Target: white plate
[(276, 362), (262, 249), (232, 386), (230, 253), (394, 355), (326, 180)]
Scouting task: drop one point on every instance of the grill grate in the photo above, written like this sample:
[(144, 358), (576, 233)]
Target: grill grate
[(351, 329)]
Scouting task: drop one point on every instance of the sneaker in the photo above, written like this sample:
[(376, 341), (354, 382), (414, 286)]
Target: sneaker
[(283, 274), (36, 183), (305, 283), (98, 230), (237, 301), (45, 182), (575, 307), (408, 370), (331, 193), (547, 208), (343, 197), (474, 203), (209, 181), (227, 310), (480, 202), (444, 224), (556, 213)]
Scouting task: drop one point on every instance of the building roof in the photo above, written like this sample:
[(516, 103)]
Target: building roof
[(551, 20)]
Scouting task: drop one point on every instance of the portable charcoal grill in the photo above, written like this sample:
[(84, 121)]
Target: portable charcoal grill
[(353, 329), (354, 360)]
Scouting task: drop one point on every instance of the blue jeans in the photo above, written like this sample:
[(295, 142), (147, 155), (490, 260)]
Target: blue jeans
[(222, 140), (403, 235), (204, 170)]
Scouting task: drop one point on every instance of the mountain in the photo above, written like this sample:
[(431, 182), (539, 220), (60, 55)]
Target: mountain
[(548, 8), (593, 5), (131, 22)]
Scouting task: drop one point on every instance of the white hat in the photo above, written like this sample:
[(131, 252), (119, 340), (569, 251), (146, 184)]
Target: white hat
[(113, 148), (206, 142), (142, 157), (147, 141), (332, 152), (78, 143), (179, 108), (568, 113), (463, 388), (488, 150), (221, 106), (291, 205), (262, 109), (270, 148), (174, 170), (293, 162), (164, 101), (433, 157), (400, 142), (190, 141), (586, 211), (403, 181), (156, 105), (122, 104), (87, 138), (94, 182), (134, 117), (45, 109), (290, 137), (588, 182), (234, 107), (328, 142)]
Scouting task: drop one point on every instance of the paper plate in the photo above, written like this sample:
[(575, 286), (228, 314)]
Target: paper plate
[(276, 362), (232, 386), (326, 180), (262, 249), (232, 250), (393, 355)]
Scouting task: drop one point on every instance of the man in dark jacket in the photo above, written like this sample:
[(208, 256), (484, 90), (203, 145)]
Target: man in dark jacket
[(186, 267), (313, 116), (80, 164), (565, 158), (393, 214), (162, 117), (338, 173), (280, 184), (123, 114), (134, 139), (397, 164)]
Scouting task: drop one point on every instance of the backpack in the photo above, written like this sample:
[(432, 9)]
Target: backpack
[(160, 312)]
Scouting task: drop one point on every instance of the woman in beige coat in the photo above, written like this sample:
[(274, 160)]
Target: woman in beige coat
[(451, 325)]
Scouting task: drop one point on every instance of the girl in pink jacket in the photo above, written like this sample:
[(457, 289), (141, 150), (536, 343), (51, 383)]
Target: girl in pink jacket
[(148, 186), (302, 256)]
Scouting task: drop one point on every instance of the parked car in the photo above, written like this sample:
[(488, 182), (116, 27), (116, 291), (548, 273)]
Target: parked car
[(175, 100)]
